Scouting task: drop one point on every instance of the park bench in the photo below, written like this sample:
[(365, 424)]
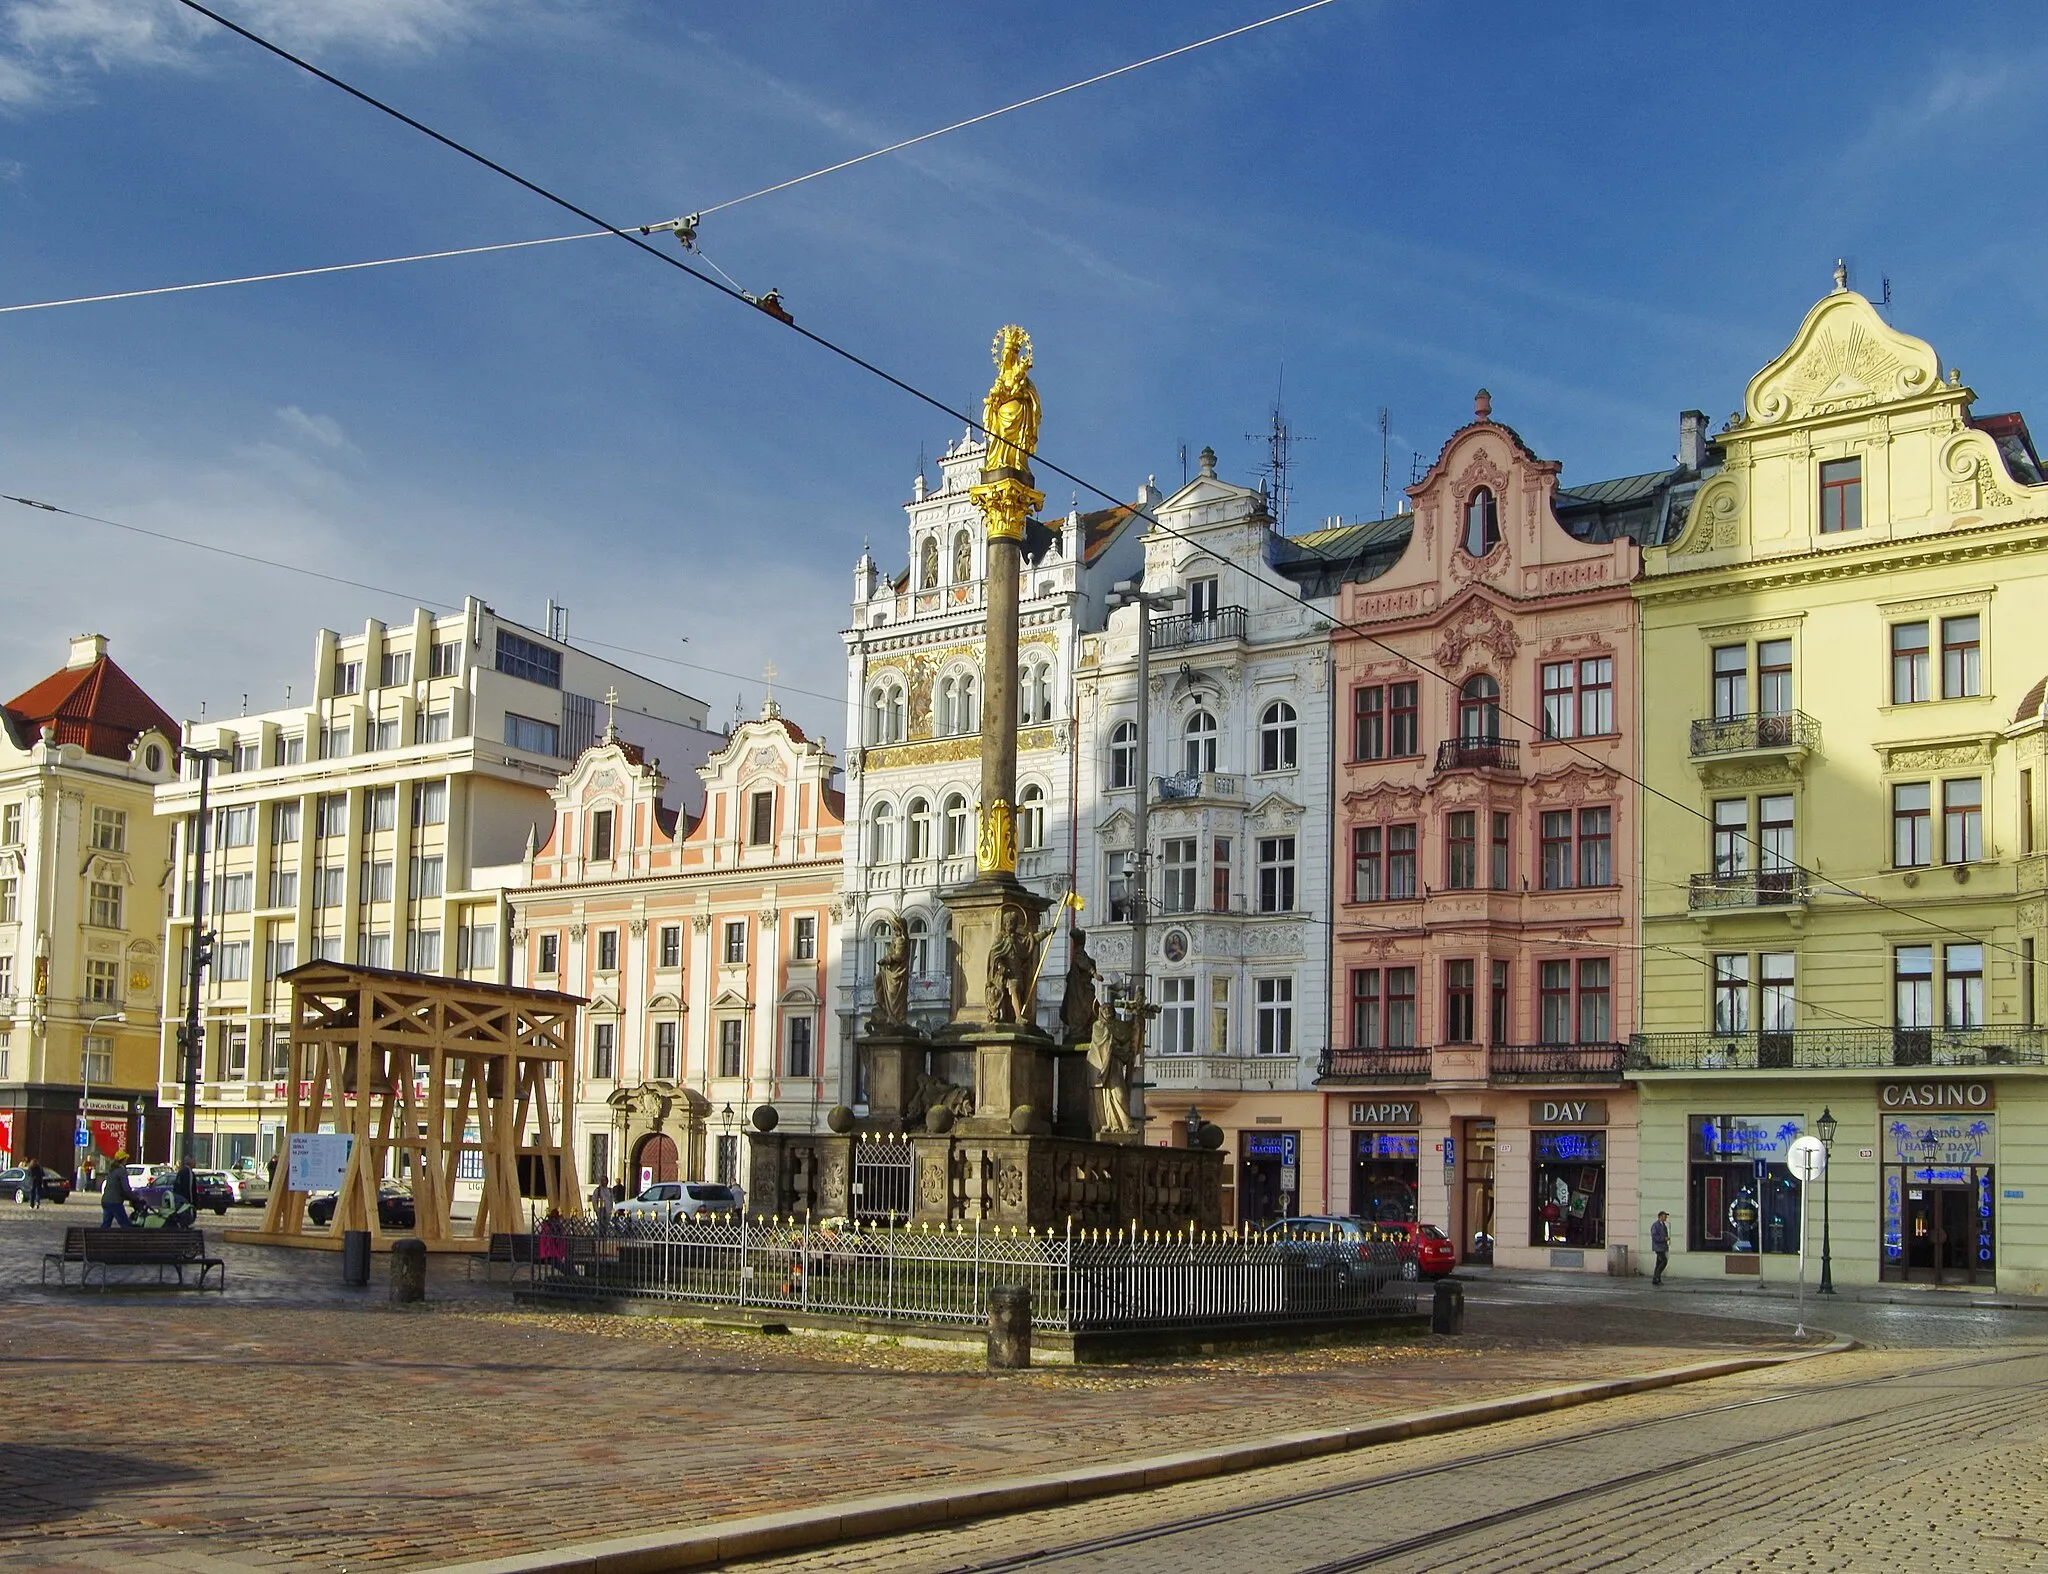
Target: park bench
[(506, 1247), (116, 1248)]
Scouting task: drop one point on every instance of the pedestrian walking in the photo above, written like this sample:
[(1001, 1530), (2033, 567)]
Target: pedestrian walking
[(35, 1184), (115, 1196), (601, 1206), (1660, 1246)]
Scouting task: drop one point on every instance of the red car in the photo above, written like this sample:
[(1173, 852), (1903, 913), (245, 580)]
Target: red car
[(1422, 1250), (1425, 1251)]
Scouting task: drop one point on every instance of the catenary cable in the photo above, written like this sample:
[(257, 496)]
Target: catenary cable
[(855, 359)]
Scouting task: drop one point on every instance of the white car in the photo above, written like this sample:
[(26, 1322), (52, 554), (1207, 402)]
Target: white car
[(669, 1201)]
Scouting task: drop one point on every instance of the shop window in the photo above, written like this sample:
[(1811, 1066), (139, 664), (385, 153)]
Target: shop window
[(1384, 1174), (1568, 1189), (1728, 1209)]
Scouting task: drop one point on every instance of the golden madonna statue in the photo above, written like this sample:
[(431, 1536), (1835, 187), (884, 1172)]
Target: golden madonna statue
[(1010, 412)]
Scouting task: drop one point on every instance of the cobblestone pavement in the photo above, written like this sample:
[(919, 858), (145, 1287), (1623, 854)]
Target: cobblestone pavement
[(294, 1423), (1889, 1460)]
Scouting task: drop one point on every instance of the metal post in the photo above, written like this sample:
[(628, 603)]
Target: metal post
[(196, 963), (1825, 1126)]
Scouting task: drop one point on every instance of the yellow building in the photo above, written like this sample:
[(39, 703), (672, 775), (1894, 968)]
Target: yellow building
[(1844, 654)]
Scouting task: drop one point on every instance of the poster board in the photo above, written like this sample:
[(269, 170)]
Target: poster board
[(317, 1160)]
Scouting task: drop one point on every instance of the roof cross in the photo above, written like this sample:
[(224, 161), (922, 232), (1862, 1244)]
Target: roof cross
[(611, 700)]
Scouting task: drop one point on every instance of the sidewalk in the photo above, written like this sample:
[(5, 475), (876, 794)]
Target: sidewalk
[(291, 1423), (1976, 1297)]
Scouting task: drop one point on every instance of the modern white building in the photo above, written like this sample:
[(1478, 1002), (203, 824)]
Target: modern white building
[(914, 685), (376, 821), (1239, 737)]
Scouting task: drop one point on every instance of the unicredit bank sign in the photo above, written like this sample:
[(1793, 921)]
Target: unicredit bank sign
[(1937, 1095)]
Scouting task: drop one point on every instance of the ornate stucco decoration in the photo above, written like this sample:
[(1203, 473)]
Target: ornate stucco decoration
[(1945, 754), (1845, 357), (1574, 784), (1478, 624)]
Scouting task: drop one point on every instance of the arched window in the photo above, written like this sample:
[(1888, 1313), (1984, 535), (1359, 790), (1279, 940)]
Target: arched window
[(959, 836), (1034, 693), (878, 942), (896, 713), (968, 714), (1201, 743), (963, 558), (928, 564), (1123, 754), (1277, 737), (882, 834), (918, 827), (1479, 710), (1482, 523), (1031, 818), (919, 933), (945, 708), (885, 712)]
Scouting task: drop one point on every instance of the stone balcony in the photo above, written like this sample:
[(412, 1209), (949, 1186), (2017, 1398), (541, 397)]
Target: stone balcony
[(1239, 1073)]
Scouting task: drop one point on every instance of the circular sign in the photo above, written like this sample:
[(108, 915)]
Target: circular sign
[(1806, 1157), (1175, 945)]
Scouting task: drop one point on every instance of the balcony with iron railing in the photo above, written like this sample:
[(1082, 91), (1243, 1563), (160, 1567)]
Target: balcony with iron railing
[(1479, 754), (1196, 784), (1198, 628), (1760, 732), (1370, 1067), (1555, 1062), (1749, 888), (1838, 1049)]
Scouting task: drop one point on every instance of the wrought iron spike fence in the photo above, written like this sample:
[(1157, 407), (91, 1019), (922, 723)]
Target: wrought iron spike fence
[(1079, 1280)]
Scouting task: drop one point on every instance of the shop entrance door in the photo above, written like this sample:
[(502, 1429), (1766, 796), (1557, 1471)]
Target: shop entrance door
[(1268, 1175), (1477, 1160), (1947, 1228)]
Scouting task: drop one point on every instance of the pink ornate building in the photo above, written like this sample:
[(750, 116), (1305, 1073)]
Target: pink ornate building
[(1483, 961)]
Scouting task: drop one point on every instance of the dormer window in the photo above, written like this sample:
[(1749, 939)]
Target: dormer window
[(1841, 495), (601, 835), (1482, 523)]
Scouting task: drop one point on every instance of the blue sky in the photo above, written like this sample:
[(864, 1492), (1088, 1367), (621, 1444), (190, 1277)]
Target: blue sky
[(1603, 213)]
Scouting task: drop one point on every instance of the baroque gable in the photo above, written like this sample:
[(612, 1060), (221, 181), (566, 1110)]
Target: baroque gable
[(1844, 357)]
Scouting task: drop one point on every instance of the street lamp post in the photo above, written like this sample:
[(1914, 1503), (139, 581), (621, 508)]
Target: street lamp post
[(1824, 1128), (80, 1149), (200, 954)]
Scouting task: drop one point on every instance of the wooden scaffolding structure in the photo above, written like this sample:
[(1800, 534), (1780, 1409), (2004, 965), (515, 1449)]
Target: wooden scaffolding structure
[(426, 1072)]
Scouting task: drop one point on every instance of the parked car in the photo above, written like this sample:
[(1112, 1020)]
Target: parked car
[(394, 1206), (669, 1201), (252, 1183), (14, 1184), (211, 1189), (1422, 1250), (1425, 1251)]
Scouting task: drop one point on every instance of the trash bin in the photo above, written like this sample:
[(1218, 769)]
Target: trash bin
[(1447, 1308), (1619, 1264), (355, 1256)]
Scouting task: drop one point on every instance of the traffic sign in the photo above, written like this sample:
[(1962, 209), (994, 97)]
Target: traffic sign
[(1808, 1157), (1763, 1168), (1450, 1153), (80, 1139)]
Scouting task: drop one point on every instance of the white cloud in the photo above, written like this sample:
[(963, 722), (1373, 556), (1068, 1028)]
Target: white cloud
[(321, 429)]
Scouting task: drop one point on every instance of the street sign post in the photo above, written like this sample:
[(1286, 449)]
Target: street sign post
[(1807, 1158)]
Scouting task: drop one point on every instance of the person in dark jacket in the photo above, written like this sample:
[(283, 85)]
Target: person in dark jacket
[(185, 1185), (115, 1197), (1660, 1245), (35, 1184)]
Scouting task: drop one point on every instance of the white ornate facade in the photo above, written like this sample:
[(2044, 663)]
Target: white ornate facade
[(914, 686), (1240, 727)]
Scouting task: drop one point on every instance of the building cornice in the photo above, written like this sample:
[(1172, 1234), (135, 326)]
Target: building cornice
[(1976, 544)]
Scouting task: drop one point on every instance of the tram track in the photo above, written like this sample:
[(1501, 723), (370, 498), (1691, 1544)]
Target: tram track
[(1406, 1546)]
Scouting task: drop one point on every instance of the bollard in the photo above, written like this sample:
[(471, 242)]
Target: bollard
[(355, 1256), (408, 1270), (1447, 1310), (1009, 1327)]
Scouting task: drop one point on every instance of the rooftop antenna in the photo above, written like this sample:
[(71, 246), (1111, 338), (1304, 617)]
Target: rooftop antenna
[(1183, 464), (1886, 297), (1383, 422), (1279, 439)]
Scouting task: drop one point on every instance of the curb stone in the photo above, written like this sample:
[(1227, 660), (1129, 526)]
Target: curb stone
[(859, 1519)]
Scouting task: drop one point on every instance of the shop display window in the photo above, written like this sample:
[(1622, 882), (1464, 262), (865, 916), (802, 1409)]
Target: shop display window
[(1568, 1188), (1740, 1197)]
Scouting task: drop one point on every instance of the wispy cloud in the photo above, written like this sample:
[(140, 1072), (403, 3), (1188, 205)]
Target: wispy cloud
[(321, 429)]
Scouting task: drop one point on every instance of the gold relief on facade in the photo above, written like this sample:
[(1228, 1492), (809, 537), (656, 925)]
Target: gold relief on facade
[(947, 751)]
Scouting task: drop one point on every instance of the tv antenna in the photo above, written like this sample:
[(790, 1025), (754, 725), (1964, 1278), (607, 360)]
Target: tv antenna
[(1279, 439), (1384, 420)]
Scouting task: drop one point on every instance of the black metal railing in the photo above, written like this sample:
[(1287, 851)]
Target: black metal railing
[(1758, 730), (1750, 888), (1838, 1049), (1555, 1062), (1187, 628), (1469, 754), (1407, 1064)]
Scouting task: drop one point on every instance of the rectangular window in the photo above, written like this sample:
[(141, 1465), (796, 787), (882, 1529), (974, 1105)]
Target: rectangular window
[(330, 814), (235, 827), (1461, 852), (1731, 682), (394, 669), (1961, 658), (284, 823), (103, 908), (234, 893), (1774, 677), (1912, 819), (2028, 1016), (1554, 989), (379, 881), (1368, 1008), (1774, 833), (603, 1050), (6, 977), (1276, 874), (290, 749), (1596, 696), (1560, 701), (1177, 873), (1731, 992), (550, 959), (447, 659), (1909, 664), (531, 736), (1774, 991), (1176, 1016), (735, 941), (1219, 1017), (525, 658), (476, 947), (384, 734), (102, 982), (665, 1051), (1116, 879), (1369, 723), (1556, 849), (1219, 875), (607, 950), (1963, 970), (1596, 1000), (1596, 847), (1404, 732), (1497, 868), (10, 825), (1497, 1005), (1400, 1008), (433, 726), (732, 1046), (800, 1046), (380, 809), (1841, 495), (803, 940), (430, 803), (1400, 862), (761, 819), (601, 835), (425, 879), (330, 886), (1913, 986), (1203, 599), (1731, 838), (423, 951), (279, 957), (325, 948), (231, 961), (671, 946), (348, 677), (1367, 863), (109, 828), (1962, 820), (1459, 1024), (338, 741), (234, 1054), (1275, 998)]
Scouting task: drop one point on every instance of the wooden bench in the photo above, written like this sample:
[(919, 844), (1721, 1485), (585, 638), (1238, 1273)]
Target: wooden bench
[(134, 1248), (512, 1249)]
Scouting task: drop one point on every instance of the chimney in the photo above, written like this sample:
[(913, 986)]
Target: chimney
[(85, 650), (1692, 440)]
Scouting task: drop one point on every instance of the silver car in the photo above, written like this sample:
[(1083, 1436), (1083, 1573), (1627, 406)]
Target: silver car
[(669, 1201)]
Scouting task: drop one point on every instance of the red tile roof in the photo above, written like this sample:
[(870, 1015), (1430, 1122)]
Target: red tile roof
[(98, 706)]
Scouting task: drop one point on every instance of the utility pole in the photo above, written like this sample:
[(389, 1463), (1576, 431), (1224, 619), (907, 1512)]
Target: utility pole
[(191, 1043)]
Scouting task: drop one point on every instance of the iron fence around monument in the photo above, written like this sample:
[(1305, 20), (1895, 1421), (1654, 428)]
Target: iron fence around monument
[(1080, 1281)]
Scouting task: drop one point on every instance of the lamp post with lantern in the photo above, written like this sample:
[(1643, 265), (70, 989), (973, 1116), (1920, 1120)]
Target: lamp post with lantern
[(1825, 1129)]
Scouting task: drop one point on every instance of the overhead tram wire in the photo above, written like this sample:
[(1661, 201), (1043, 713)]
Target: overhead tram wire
[(716, 207), (383, 590), (853, 358)]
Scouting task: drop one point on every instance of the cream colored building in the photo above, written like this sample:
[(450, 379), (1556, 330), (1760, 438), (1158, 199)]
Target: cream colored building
[(84, 866), (377, 823)]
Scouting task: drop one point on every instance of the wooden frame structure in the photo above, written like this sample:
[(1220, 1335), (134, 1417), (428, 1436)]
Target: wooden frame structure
[(424, 1071)]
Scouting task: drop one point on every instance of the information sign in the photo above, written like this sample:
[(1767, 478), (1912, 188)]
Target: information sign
[(317, 1160)]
